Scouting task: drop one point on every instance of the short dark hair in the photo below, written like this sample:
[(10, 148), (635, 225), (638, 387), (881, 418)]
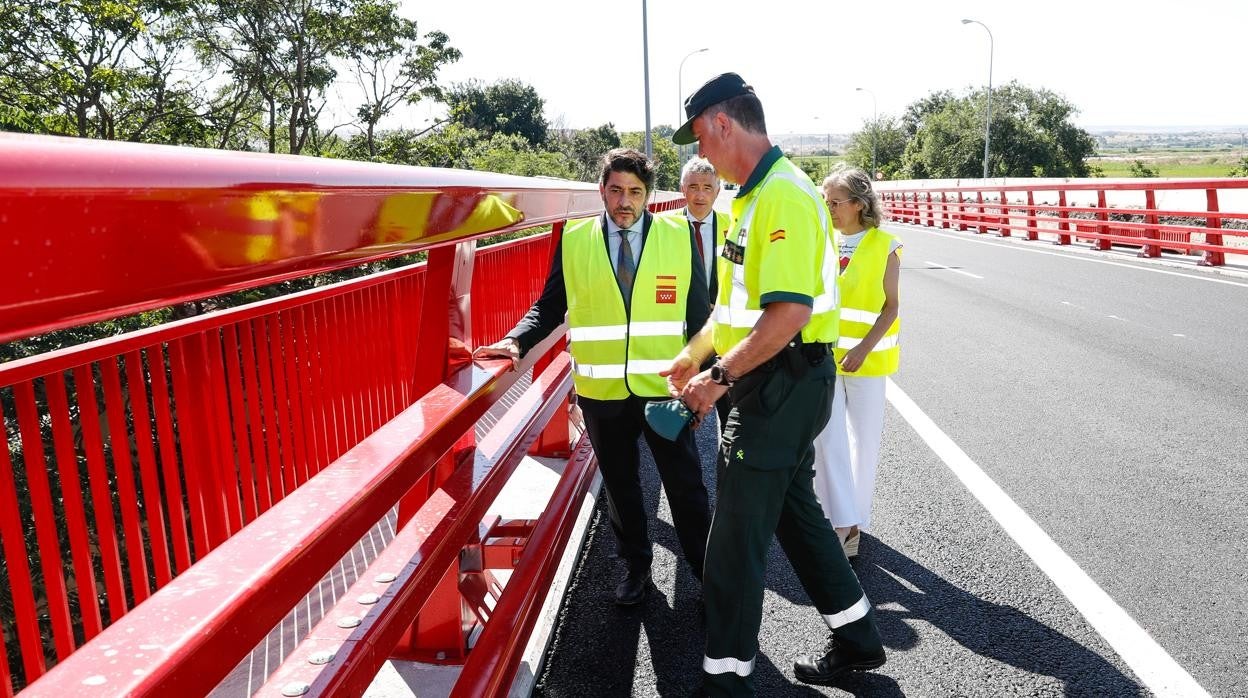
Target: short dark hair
[(746, 110), (630, 161)]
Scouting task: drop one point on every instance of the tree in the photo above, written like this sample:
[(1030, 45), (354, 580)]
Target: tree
[(887, 137), (96, 69), (286, 53), (584, 149), (512, 154), (1139, 169), (391, 65), (1032, 136), (507, 106), (1240, 170), (666, 158), (945, 144)]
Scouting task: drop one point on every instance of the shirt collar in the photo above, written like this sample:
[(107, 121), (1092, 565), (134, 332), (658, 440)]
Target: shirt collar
[(710, 217), (760, 170), (612, 228)]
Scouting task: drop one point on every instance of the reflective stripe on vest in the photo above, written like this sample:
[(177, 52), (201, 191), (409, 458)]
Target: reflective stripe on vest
[(862, 292), (737, 315), (614, 352)]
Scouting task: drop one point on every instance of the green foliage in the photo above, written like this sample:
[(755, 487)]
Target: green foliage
[(1139, 169), (666, 158), (391, 64), (96, 69), (584, 149), (509, 107), (888, 138), (1032, 136), (512, 154), (1240, 170)]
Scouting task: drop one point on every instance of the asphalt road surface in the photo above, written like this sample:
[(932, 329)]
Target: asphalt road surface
[(1062, 505)]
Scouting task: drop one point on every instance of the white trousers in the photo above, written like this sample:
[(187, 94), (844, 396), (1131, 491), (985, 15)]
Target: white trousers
[(848, 450)]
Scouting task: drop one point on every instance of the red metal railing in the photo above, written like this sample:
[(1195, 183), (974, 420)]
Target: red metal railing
[(1190, 219), (251, 445)]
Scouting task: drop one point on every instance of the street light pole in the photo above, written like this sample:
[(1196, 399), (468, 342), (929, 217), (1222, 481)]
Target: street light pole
[(645, 56), (680, 94), (875, 111), (988, 97)]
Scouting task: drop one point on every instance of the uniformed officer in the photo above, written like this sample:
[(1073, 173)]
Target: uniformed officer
[(633, 292), (774, 318)]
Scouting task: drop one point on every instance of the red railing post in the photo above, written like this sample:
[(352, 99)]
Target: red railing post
[(944, 211), (1033, 225), (1102, 214), (1063, 217), (1004, 230), (556, 438), (1213, 258), (982, 212), (961, 211), (437, 633), (1150, 203)]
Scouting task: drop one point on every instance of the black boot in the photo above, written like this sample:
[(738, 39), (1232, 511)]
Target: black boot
[(839, 660)]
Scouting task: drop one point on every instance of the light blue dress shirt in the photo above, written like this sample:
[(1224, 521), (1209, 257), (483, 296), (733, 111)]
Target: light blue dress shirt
[(613, 242)]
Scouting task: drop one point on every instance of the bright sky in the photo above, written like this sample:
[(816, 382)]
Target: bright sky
[(1120, 62)]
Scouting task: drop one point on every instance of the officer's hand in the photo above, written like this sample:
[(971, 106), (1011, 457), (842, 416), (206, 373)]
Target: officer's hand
[(506, 348), (852, 361), (700, 394), (678, 374)]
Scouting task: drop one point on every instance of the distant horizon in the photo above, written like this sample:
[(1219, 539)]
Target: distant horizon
[(1094, 130)]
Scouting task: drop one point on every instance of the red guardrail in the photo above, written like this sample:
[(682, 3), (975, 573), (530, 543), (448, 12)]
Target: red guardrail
[(245, 447), (1194, 222)]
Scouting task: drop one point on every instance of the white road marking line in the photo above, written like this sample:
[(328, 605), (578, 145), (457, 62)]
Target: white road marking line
[(956, 271), (1021, 248), (1180, 335), (1115, 317), (1155, 668)]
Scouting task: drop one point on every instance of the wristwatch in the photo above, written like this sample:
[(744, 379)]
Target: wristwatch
[(720, 375)]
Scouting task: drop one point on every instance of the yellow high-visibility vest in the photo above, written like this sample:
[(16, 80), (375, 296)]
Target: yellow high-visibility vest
[(862, 298), (618, 350), (793, 203)]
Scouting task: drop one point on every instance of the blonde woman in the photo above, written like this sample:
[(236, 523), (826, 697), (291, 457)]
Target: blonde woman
[(848, 449)]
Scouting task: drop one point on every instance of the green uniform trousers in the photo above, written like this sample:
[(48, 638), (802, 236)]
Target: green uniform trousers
[(766, 477)]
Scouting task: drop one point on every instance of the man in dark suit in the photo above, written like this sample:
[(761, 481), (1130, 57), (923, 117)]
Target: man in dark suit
[(634, 290), (700, 184)]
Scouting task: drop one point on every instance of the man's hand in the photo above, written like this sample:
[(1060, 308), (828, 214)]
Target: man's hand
[(700, 394), (506, 348), (678, 374)]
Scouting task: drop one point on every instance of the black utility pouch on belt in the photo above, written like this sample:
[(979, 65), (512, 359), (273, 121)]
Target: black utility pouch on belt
[(798, 357)]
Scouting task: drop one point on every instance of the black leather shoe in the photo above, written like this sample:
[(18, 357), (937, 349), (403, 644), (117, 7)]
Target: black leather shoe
[(632, 590), (840, 660)]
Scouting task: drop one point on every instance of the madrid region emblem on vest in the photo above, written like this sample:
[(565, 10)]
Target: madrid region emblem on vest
[(665, 289)]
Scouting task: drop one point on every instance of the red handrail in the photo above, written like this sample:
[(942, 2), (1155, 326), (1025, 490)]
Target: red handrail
[(944, 204), (203, 433), (103, 229)]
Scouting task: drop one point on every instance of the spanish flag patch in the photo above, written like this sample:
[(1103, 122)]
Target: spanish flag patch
[(665, 289), (778, 235)]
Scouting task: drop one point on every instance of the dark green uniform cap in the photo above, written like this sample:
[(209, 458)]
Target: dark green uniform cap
[(716, 90)]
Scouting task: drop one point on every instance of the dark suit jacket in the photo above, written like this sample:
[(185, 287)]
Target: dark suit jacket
[(548, 312), (717, 219)]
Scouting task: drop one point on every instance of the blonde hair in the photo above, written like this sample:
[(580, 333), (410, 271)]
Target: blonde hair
[(858, 183)]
